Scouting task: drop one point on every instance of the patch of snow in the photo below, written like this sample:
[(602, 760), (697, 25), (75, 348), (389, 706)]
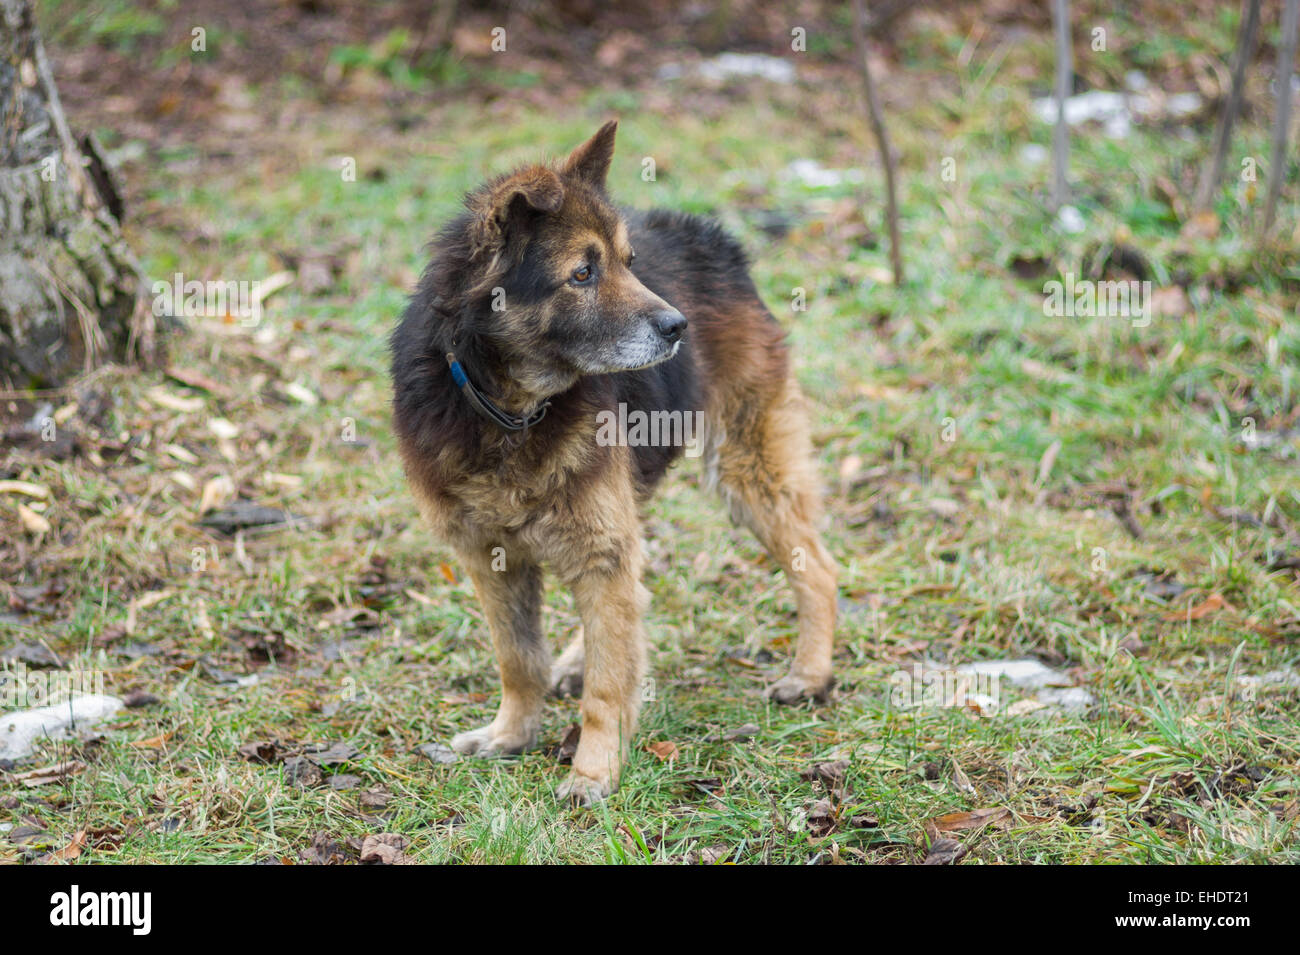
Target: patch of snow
[(811, 173), (1042, 680), (978, 685), (728, 66), (1072, 699), (1070, 220), (1135, 81), (19, 731), (1117, 111), (1272, 678), (1033, 154), (1029, 674), (1109, 109)]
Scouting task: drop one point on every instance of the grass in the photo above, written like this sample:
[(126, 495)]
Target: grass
[(975, 450)]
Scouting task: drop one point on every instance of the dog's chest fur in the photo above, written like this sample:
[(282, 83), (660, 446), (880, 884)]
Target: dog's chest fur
[(558, 498)]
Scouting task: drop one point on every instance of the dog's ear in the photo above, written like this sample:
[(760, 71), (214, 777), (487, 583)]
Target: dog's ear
[(591, 160), (536, 189)]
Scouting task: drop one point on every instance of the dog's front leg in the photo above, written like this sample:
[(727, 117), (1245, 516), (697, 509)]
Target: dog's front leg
[(511, 599), (611, 602)]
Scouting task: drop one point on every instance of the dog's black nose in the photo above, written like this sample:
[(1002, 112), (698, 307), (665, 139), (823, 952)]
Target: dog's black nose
[(669, 323)]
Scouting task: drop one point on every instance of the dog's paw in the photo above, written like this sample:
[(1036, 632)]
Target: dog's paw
[(583, 790), (566, 680), (793, 688), (488, 741)]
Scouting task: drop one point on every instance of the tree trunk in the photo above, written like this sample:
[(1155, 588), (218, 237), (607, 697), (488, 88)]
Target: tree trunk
[(71, 293)]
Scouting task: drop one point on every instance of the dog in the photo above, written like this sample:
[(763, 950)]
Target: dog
[(544, 312)]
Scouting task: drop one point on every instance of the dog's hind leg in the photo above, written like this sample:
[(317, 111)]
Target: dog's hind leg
[(511, 599), (766, 473), (566, 671)]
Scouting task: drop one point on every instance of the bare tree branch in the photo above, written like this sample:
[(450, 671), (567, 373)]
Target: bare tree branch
[(882, 140), (1231, 107), (1064, 86)]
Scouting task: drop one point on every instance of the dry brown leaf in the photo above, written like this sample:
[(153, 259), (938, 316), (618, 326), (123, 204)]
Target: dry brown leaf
[(24, 487), (180, 453), (1047, 462), (72, 850), (50, 774), (324, 850), (344, 615), (145, 601), (1203, 225), (385, 848), (961, 780), (170, 401), (1211, 604), (275, 479), (1171, 194), (273, 283), (460, 699), (943, 506), (830, 773), (944, 851), (1134, 754), (1021, 707), (821, 818), (1171, 302), (420, 598), (217, 492), (709, 855), (32, 521), (1041, 372), (975, 819), (663, 749), (196, 379), (447, 572)]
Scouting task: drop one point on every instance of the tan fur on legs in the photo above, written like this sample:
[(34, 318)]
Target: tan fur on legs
[(511, 600), (611, 606), (765, 467)]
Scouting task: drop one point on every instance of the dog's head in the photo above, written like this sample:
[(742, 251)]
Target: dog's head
[(565, 301)]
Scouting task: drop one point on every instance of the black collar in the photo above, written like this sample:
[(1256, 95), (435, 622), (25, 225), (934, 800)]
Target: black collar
[(484, 405)]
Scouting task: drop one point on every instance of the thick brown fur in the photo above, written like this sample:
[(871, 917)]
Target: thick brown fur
[(536, 289)]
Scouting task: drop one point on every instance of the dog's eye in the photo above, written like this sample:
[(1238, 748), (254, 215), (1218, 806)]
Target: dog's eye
[(582, 275)]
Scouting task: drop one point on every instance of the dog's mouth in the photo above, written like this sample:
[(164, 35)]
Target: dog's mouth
[(659, 359)]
